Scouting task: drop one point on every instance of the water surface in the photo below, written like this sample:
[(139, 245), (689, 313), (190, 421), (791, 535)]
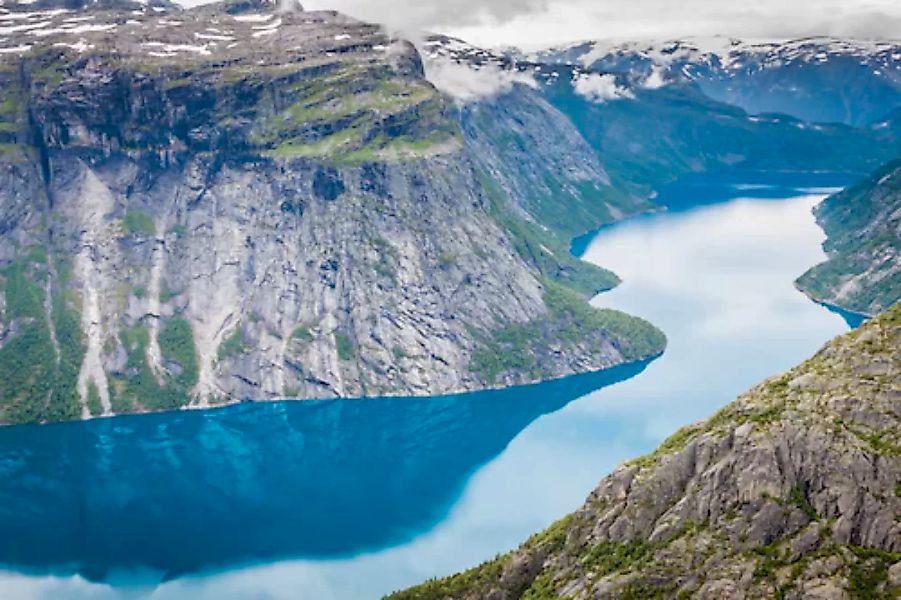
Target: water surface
[(352, 499)]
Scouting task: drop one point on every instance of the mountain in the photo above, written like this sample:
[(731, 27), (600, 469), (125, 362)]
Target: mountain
[(249, 201), (854, 82), (649, 133), (863, 224), (791, 491)]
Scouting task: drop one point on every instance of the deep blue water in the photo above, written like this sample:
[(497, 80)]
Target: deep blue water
[(184, 492), (352, 499)]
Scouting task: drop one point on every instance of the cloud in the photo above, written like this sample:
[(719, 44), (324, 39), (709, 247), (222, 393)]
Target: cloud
[(434, 15), (467, 84), (655, 80), (539, 23), (600, 88)]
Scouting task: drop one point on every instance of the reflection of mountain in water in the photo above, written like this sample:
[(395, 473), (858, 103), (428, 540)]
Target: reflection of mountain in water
[(188, 491)]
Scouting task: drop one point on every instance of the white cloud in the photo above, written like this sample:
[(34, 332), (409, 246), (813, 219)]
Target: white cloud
[(655, 80), (537, 23), (600, 88), (467, 84)]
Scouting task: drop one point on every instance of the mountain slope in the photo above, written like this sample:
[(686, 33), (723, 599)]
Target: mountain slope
[(791, 491), (863, 273), (647, 132), (241, 201), (853, 82)]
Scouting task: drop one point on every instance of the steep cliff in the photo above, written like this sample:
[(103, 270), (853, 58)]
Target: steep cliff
[(792, 491), (245, 201), (863, 222)]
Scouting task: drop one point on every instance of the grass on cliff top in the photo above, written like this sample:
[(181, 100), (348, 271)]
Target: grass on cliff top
[(355, 115)]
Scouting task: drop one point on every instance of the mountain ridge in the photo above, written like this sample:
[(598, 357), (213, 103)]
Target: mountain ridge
[(790, 491), (863, 225)]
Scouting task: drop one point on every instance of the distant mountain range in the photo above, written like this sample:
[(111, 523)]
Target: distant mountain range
[(823, 80)]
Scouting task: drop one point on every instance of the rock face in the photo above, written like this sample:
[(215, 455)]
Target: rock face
[(248, 201), (792, 491), (863, 222)]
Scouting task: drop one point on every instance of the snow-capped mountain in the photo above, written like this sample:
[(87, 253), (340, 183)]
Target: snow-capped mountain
[(810, 78)]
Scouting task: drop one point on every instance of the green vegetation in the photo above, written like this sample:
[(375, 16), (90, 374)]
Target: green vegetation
[(560, 201), (611, 557), (177, 344), (139, 224), (37, 382), (139, 386), (870, 572), (346, 348), (547, 251), (342, 116), (303, 333), (386, 258), (456, 586), (863, 245), (94, 404), (799, 499), (521, 347), (231, 346)]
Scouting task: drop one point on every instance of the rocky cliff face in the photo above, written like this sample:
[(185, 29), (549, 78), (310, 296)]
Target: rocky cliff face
[(863, 222), (245, 201), (789, 492)]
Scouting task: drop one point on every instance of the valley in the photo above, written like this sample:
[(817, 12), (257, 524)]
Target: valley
[(371, 496), (295, 305)]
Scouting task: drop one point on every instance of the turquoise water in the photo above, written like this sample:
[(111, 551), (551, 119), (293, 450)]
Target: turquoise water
[(352, 499)]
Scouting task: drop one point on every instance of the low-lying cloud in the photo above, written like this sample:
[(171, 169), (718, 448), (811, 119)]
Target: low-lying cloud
[(467, 84), (600, 88), (538, 23)]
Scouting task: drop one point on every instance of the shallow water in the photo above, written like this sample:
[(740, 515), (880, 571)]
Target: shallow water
[(353, 499)]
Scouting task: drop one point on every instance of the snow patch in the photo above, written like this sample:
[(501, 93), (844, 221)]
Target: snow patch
[(170, 49), (71, 30), (15, 50), (253, 18), (214, 37), (80, 46)]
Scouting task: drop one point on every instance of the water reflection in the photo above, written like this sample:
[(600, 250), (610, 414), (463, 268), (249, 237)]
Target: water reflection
[(717, 278), (183, 492)]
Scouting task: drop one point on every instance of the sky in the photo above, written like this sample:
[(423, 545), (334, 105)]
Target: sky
[(540, 23)]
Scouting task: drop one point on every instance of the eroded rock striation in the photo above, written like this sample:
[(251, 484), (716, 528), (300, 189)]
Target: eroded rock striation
[(249, 201), (791, 491)]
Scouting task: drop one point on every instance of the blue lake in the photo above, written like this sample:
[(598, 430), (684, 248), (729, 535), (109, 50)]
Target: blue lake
[(352, 499)]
